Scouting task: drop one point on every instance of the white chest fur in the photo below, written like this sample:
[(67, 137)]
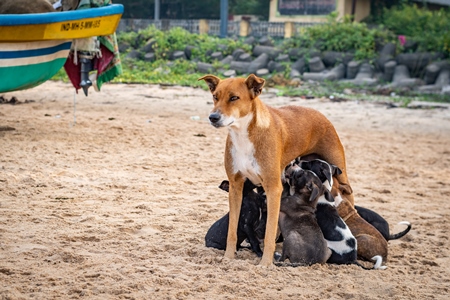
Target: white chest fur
[(243, 150)]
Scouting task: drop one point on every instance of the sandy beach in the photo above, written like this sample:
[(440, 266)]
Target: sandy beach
[(116, 205)]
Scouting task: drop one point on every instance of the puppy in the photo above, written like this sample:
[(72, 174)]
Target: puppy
[(303, 243), (251, 213), (339, 238), (261, 141), (370, 241), (381, 224)]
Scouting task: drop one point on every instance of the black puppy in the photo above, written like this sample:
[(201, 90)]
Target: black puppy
[(304, 243), (381, 224), (251, 213)]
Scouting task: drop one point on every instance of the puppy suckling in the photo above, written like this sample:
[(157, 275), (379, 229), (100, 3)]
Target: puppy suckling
[(339, 238), (381, 224), (251, 212), (303, 243)]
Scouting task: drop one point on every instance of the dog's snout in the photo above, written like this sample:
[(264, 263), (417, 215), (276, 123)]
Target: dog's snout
[(214, 117)]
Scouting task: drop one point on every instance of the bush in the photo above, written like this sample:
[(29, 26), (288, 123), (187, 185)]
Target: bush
[(431, 29), (343, 36)]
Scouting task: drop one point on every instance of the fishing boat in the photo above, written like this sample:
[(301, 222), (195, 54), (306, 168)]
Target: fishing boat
[(34, 47)]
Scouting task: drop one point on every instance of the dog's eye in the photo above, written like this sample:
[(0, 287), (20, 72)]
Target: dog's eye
[(215, 97), (234, 98)]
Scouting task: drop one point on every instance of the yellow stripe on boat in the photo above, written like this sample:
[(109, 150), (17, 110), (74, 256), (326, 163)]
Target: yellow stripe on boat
[(63, 30)]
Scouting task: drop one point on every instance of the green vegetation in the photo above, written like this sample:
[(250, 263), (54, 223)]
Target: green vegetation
[(343, 36), (423, 26), (430, 29)]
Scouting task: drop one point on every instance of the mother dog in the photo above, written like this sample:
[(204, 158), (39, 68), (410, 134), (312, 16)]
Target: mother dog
[(261, 141)]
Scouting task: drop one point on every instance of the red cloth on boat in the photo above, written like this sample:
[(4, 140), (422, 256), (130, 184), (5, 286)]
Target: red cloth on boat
[(99, 63)]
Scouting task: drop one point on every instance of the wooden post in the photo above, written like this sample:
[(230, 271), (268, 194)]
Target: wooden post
[(203, 26), (244, 28), (289, 30)]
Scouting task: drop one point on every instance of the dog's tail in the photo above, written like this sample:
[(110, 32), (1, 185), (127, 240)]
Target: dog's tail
[(377, 266), (402, 233)]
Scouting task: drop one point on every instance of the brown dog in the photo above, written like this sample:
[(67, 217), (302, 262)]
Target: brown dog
[(261, 141), (370, 241)]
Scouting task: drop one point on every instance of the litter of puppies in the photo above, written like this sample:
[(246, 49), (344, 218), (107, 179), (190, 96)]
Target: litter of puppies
[(312, 231)]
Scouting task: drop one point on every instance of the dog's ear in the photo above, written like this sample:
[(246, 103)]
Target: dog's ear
[(326, 172), (225, 185), (345, 189), (255, 85), (315, 190), (328, 196), (336, 171), (212, 81)]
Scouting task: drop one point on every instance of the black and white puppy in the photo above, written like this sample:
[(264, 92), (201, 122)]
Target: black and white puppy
[(340, 239), (249, 218), (381, 224)]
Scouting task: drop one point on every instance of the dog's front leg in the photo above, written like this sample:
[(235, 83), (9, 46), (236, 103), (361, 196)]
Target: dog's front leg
[(273, 193), (235, 202)]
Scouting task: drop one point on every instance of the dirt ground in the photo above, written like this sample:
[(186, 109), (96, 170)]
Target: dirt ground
[(116, 206)]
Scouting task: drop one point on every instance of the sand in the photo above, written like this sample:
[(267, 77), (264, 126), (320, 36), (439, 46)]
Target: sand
[(116, 205)]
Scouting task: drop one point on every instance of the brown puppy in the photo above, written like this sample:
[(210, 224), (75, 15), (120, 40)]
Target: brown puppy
[(261, 141), (369, 239)]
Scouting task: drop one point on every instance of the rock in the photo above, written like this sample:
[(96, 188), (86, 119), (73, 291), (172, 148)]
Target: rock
[(227, 60), (282, 58), (386, 54), (229, 73), (401, 72), (365, 71), (262, 72), (446, 90), (277, 67), (259, 63), (416, 62), (236, 53), (352, 69), (241, 67), (316, 65), (188, 51), (148, 47), (250, 40), (124, 46), (271, 51), (322, 76), (336, 73), (265, 41), (216, 55), (331, 58), (150, 57), (245, 57), (205, 67), (178, 55), (431, 73), (133, 54), (443, 78), (299, 65), (295, 74), (296, 53), (389, 70)]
